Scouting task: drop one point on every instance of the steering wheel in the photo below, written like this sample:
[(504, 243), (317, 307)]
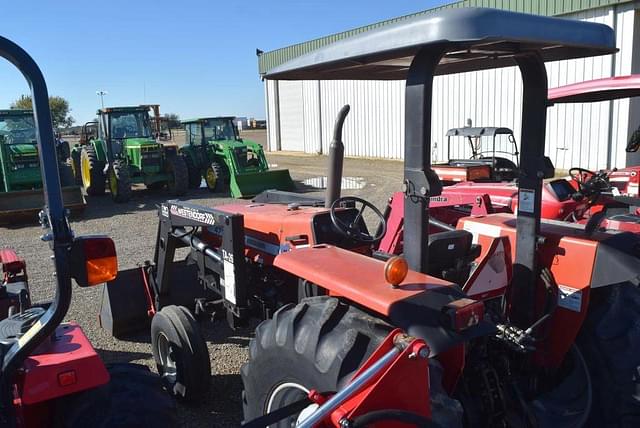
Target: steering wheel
[(353, 229), (590, 183)]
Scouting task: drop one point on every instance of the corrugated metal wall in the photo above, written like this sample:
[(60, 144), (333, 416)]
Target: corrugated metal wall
[(577, 134)]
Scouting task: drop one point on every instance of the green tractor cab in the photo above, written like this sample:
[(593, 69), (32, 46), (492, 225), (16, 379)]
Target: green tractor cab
[(124, 152), (215, 152), (20, 177)]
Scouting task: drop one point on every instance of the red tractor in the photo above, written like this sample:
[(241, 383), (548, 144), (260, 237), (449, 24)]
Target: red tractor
[(50, 375), (501, 322), (486, 163), (607, 199)]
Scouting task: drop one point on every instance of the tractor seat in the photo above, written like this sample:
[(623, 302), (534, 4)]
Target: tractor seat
[(18, 324), (451, 254)]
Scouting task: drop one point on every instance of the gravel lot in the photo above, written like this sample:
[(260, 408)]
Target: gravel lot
[(133, 228)]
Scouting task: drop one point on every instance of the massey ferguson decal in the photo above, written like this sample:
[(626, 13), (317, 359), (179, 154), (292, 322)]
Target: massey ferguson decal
[(193, 214)]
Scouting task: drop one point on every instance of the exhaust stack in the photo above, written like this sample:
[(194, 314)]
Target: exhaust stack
[(336, 158)]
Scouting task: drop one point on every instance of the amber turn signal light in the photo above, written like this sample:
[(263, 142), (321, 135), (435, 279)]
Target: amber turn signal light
[(395, 270), (93, 260)]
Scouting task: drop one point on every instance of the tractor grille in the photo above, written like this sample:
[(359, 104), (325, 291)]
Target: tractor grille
[(22, 162), (150, 156)]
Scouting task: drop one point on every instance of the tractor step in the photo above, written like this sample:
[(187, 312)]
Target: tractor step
[(24, 205)]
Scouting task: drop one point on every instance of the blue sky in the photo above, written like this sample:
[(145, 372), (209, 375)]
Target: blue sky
[(193, 57)]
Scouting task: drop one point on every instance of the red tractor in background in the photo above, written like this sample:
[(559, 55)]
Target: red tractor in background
[(501, 322), (607, 199), (50, 375), (482, 165)]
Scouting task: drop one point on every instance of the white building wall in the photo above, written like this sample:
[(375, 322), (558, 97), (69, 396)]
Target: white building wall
[(577, 134)]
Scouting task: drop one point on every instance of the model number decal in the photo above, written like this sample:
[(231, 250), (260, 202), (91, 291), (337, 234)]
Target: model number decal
[(569, 298)]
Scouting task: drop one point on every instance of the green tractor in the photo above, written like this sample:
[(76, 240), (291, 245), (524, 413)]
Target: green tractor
[(214, 151), (120, 150), (20, 177)]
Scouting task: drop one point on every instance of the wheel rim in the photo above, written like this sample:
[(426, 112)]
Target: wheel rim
[(210, 178), (285, 394), (113, 183), (85, 170), (167, 361)]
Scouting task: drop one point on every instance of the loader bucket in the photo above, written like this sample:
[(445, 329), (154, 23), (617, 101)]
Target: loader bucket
[(24, 205), (250, 184)]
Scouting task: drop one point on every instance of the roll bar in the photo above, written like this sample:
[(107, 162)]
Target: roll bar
[(53, 219)]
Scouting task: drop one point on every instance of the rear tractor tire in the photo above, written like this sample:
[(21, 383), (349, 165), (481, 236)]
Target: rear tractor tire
[(217, 177), (195, 178), (66, 175), (120, 182), (93, 178), (610, 343), (178, 184), (133, 398), (75, 166), (180, 353)]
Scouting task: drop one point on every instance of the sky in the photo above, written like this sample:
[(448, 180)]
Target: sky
[(193, 57)]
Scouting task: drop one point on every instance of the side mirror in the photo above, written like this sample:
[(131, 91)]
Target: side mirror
[(93, 260)]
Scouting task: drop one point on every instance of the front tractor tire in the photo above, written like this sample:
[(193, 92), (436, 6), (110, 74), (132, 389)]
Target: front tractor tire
[(120, 182), (93, 178), (217, 177), (610, 343), (178, 184), (195, 178), (180, 353), (317, 344)]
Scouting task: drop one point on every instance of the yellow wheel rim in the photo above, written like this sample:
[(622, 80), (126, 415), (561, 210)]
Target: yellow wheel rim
[(210, 178), (85, 170), (113, 183)]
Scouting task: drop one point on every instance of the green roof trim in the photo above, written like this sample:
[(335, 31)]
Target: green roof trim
[(202, 119), (272, 59), (123, 109)]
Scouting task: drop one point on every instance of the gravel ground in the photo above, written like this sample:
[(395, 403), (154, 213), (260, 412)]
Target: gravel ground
[(133, 228)]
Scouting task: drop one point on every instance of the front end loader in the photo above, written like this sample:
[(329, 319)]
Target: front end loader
[(21, 194), (215, 152), (125, 153)]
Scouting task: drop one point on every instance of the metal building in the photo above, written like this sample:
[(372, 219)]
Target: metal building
[(300, 114)]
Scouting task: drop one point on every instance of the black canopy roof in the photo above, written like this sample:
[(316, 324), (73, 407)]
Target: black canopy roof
[(485, 131), (476, 38)]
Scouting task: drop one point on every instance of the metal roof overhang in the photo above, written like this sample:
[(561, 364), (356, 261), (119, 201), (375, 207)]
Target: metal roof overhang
[(609, 88), (474, 38)]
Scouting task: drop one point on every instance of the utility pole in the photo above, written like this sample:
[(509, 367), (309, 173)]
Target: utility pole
[(101, 94)]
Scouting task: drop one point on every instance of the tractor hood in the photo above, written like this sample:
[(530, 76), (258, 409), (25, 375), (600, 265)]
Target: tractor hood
[(23, 149)]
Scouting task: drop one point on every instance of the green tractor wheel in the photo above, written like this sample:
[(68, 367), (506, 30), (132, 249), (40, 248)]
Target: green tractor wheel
[(178, 184), (93, 179), (120, 182), (217, 177), (194, 172)]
